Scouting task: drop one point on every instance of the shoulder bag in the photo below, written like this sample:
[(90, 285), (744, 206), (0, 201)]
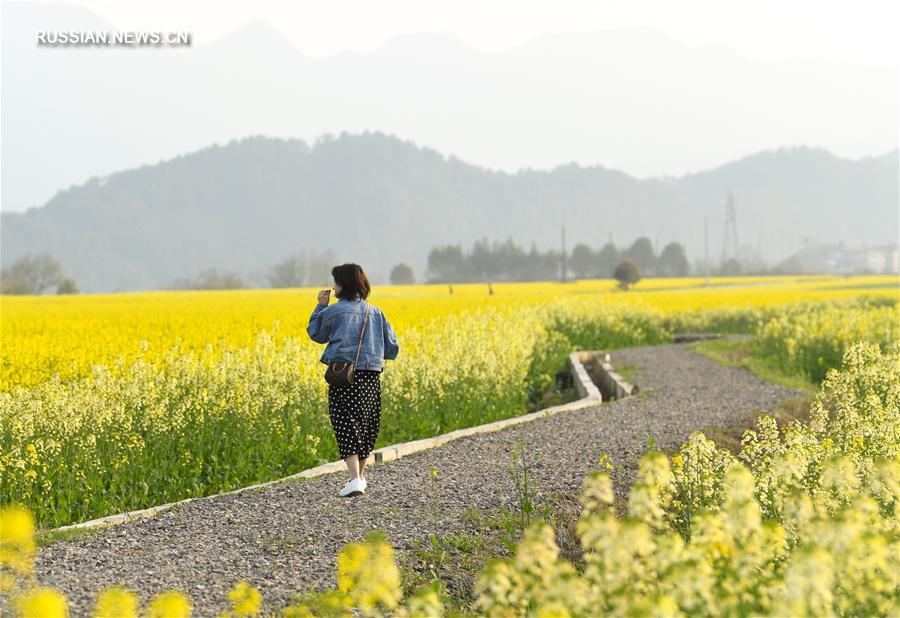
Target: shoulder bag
[(340, 373)]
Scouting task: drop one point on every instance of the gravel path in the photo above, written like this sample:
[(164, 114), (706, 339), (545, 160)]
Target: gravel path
[(286, 537)]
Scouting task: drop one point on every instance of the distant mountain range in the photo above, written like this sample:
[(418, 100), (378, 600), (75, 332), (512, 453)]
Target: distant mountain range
[(379, 200)]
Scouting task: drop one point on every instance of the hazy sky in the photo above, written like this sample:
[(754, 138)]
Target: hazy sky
[(857, 32), (71, 115)]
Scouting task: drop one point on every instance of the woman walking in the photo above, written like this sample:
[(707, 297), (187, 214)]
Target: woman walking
[(354, 328)]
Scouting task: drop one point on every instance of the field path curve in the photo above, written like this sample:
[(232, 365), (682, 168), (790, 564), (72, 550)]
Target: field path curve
[(286, 537)]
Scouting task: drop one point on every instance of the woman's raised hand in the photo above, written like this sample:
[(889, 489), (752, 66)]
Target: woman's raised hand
[(324, 295)]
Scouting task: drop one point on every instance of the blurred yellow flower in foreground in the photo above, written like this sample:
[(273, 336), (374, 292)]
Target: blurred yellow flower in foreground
[(17, 539), (42, 602), (245, 600), (368, 575), (170, 604), (118, 602)]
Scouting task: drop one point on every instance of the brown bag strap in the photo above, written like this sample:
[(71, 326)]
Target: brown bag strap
[(359, 345)]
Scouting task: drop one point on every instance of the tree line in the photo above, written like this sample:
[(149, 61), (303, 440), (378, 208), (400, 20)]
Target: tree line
[(41, 273), (486, 261), (298, 270), (36, 274), (507, 261)]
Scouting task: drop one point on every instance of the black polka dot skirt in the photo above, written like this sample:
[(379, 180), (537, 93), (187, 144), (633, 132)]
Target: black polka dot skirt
[(355, 412)]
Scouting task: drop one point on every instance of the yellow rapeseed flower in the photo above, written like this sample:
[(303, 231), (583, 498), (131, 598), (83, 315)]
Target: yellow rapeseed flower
[(169, 604), (118, 602), (17, 544), (368, 575), (245, 599), (42, 602)]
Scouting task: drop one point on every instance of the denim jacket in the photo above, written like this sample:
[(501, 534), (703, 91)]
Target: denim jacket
[(339, 324)]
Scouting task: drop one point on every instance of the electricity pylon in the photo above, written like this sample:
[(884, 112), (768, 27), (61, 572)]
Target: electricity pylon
[(730, 237)]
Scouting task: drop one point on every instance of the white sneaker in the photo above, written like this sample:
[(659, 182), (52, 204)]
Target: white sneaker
[(354, 487), (365, 483)]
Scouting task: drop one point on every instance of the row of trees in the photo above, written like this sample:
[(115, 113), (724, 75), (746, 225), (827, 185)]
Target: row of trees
[(40, 273), (36, 274), (210, 279), (494, 261), (486, 262), (671, 262), (300, 269), (491, 262), (508, 262)]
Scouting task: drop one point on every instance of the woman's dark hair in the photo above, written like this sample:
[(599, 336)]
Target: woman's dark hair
[(352, 279)]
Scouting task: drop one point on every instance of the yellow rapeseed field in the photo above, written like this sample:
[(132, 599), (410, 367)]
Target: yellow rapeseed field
[(118, 402), (44, 335)]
